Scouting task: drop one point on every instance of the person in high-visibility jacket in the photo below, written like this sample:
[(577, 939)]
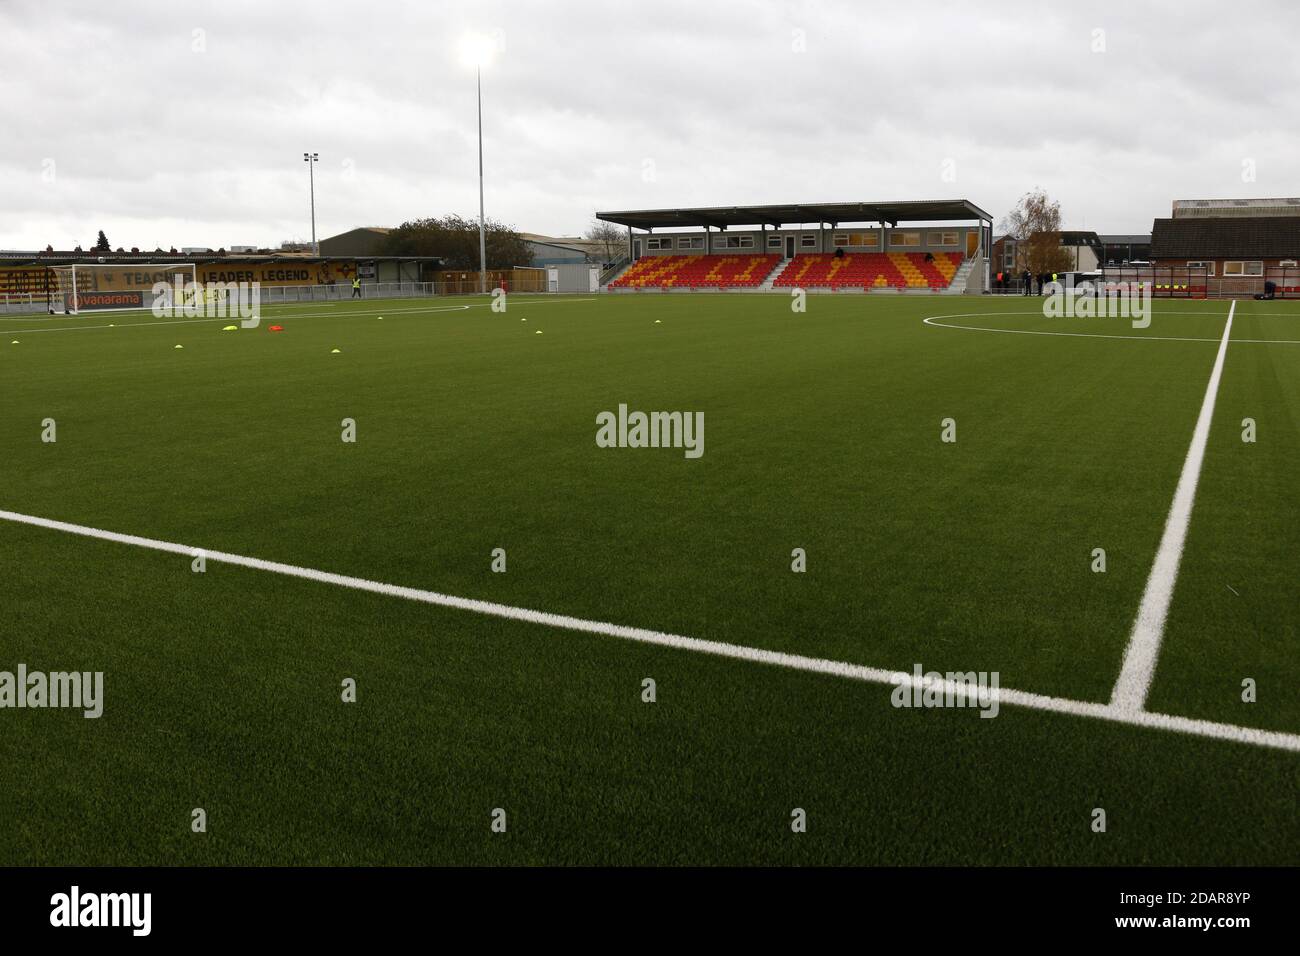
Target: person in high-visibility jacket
[(356, 287)]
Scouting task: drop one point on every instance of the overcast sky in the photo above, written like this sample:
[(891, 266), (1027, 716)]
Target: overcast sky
[(166, 122)]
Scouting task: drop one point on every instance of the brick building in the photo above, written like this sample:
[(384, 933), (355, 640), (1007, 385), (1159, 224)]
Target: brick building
[(1235, 253)]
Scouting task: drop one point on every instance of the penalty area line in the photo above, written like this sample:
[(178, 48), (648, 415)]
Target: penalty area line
[(756, 655)]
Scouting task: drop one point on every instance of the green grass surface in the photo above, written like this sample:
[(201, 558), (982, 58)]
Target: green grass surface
[(822, 432)]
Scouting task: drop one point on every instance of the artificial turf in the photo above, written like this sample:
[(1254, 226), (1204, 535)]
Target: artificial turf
[(475, 433)]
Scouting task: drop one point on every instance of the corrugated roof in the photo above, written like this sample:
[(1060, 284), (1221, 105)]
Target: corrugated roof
[(926, 210), (1259, 237)]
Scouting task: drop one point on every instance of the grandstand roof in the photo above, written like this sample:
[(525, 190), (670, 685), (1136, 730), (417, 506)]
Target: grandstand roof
[(1261, 237), (720, 217)]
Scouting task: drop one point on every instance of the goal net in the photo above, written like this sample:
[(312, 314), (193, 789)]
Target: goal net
[(103, 287)]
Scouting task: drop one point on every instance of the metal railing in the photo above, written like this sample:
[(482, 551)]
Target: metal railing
[(1184, 282), (1199, 283), (23, 302), (39, 302), (391, 290), (332, 293), (608, 274)]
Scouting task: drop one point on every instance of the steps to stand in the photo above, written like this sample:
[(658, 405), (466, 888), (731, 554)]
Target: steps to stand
[(766, 284), (618, 275), (959, 281)]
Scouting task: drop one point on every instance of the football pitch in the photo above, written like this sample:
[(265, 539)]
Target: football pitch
[(500, 588)]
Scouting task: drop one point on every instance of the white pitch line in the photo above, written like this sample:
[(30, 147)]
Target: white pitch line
[(933, 322), (269, 318), (1130, 693), (815, 665), (322, 314), (1076, 335)]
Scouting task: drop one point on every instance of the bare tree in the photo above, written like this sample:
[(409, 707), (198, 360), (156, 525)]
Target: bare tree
[(608, 237), (1035, 222)]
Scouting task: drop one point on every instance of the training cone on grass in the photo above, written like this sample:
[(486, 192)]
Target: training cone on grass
[(335, 351), (275, 328), (539, 331), (14, 342), (658, 321), (230, 328), (178, 346)]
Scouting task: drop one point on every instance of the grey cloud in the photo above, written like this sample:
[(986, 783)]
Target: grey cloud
[(155, 142)]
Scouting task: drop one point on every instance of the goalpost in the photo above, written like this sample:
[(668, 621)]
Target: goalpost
[(114, 287)]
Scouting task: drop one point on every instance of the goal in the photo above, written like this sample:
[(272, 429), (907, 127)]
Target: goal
[(102, 287)]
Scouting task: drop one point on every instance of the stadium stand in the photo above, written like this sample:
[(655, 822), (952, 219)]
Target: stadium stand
[(698, 272), (870, 270), (938, 245)]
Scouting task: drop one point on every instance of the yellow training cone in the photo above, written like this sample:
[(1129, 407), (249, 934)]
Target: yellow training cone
[(231, 328), (180, 346), (335, 351)]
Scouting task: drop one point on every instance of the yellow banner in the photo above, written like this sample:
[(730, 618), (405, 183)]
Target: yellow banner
[(37, 280)]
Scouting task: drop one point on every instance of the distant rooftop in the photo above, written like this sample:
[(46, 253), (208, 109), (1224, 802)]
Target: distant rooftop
[(1224, 208)]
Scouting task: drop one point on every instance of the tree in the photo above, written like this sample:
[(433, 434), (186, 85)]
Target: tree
[(609, 238), (1035, 222), (454, 239), (101, 244)]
